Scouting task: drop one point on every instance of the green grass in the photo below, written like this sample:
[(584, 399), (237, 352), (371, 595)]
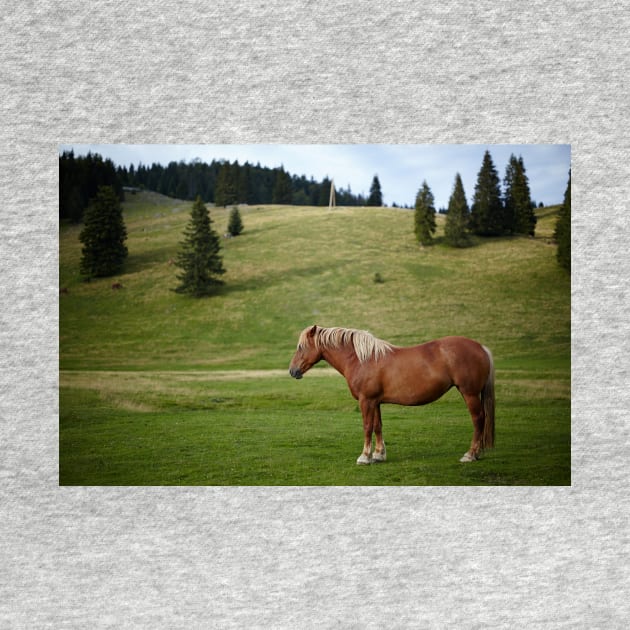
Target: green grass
[(157, 388)]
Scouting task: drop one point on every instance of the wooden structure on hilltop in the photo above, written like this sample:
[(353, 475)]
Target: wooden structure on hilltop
[(331, 201)]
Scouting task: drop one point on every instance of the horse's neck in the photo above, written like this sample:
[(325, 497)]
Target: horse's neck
[(341, 359)]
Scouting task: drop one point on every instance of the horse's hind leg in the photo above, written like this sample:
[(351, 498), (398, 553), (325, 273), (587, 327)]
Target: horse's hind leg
[(478, 418)]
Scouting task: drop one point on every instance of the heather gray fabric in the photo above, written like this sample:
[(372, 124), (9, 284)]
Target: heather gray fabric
[(326, 72)]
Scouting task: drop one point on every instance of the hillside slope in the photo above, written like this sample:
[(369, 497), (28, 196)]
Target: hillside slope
[(294, 266)]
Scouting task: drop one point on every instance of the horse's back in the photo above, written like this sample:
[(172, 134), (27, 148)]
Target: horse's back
[(458, 345)]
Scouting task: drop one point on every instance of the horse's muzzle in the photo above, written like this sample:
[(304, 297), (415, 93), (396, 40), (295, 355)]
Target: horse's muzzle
[(295, 373)]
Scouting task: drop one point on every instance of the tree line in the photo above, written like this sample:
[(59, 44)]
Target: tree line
[(495, 210), (79, 180), (221, 183)]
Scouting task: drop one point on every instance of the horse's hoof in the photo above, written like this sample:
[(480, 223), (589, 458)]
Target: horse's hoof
[(379, 457), (364, 459), (469, 458)]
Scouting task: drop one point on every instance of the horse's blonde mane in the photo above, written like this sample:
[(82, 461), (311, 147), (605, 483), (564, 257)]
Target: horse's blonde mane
[(366, 345)]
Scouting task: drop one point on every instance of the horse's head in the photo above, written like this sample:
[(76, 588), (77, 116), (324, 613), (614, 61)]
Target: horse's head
[(306, 355)]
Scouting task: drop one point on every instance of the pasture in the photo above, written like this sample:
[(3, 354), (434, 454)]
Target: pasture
[(159, 389)]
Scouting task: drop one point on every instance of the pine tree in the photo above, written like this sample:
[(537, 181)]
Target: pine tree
[(79, 180), (282, 189), (235, 224), (199, 256), (376, 196), (323, 192), (226, 190), (425, 225), (519, 216), (103, 235), (509, 212), (245, 192), (486, 212), (562, 234), (74, 207), (458, 217)]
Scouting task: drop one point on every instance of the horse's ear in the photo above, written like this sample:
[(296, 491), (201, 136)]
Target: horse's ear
[(312, 331)]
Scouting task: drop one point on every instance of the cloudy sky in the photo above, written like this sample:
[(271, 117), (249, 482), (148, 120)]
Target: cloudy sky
[(401, 168)]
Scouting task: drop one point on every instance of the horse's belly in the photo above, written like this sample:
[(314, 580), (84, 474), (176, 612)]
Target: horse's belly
[(414, 401), (413, 389)]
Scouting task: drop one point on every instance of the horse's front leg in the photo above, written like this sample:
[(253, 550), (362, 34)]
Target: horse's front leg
[(379, 454), (368, 411)]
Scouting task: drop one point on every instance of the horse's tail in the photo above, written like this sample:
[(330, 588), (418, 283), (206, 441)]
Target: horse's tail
[(487, 400)]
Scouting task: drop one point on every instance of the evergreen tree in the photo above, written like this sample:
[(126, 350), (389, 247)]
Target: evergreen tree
[(509, 212), (170, 180), (519, 216), (486, 212), (376, 197), (235, 224), (103, 235), (226, 190), (74, 207), (562, 234), (425, 225), (300, 198), (199, 256), (323, 197), (458, 216), (282, 191), (245, 192), (181, 192), (79, 181)]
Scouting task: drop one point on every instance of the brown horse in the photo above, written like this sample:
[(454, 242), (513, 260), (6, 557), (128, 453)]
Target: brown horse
[(379, 372)]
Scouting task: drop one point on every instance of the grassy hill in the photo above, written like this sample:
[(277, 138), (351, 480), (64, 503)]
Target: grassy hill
[(160, 388)]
